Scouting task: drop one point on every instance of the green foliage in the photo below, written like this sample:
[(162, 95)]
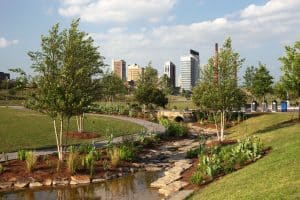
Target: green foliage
[(197, 178), (73, 162), (110, 86), (88, 162), (262, 82), (30, 159), (174, 129), (21, 155), (2, 169), (127, 152), (86, 148), (227, 159)]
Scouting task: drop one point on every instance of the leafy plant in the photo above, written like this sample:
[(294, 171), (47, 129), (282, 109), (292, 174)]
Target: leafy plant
[(105, 165), (127, 153), (73, 162), (97, 155), (30, 159), (86, 148), (197, 178), (21, 155), (88, 162)]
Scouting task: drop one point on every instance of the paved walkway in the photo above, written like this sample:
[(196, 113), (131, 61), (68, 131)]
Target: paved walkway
[(150, 126)]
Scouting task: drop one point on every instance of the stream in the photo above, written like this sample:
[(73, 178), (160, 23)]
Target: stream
[(134, 186)]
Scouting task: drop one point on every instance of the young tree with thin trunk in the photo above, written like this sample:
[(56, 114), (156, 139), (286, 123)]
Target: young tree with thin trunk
[(66, 66), (221, 94), (291, 71)]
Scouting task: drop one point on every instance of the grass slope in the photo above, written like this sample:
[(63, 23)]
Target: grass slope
[(276, 176), (21, 128)]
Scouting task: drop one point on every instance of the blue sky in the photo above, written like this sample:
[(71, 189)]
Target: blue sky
[(158, 30)]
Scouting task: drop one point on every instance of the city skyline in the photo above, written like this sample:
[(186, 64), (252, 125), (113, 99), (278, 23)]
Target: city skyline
[(155, 30)]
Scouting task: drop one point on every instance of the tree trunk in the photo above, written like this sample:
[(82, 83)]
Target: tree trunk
[(216, 125), (60, 153), (298, 108), (223, 121), (77, 122), (56, 137)]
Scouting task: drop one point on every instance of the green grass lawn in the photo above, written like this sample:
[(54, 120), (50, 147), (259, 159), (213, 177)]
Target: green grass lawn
[(22, 129), (275, 176)]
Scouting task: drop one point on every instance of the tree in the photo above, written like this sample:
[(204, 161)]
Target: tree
[(291, 70), (262, 82), (111, 85), (147, 91), (220, 95), (22, 79), (66, 67), (248, 78), (165, 85)]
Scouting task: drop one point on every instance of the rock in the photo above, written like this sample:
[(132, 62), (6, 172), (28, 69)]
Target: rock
[(98, 180), (137, 165), (21, 184), (120, 174), (166, 180), (73, 182), (172, 187), (81, 179), (183, 194), (35, 184), (5, 185), (61, 182), (108, 175), (132, 170), (152, 168), (47, 182), (175, 170), (12, 179)]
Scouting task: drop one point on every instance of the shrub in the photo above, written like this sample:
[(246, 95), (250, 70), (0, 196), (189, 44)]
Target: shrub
[(98, 155), (114, 155), (197, 178), (88, 162), (164, 121), (86, 148), (127, 153), (192, 153), (31, 159), (21, 155), (73, 162), (177, 130)]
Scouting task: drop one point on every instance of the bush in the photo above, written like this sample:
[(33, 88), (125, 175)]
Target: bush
[(31, 159), (73, 162), (197, 178), (177, 130), (86, 148), (88, 162), (21, 155), (127, 153)]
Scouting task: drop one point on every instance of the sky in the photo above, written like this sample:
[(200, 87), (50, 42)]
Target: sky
[(139, 31)]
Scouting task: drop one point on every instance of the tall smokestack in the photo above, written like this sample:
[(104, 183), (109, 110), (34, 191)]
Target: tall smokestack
[(216, 64)]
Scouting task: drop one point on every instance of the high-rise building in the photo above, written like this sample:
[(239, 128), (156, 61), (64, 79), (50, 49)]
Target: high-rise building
[(170, 71), (190, 65), (119, 68), (135, 72)]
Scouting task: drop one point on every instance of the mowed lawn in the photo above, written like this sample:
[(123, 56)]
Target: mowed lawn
[(275, 176), (25, 129)]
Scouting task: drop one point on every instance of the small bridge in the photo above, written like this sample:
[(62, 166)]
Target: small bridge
[(177, 116)]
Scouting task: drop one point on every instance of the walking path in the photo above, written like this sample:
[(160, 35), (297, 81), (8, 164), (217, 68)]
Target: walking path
[(150, 126)]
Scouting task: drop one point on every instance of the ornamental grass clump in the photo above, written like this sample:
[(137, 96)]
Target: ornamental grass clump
[(73, 162), (30, 159), (88, 162), (21, 155), (115, 156)]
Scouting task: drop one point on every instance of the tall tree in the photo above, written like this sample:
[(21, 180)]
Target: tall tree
[(165, 85), (262, 82), (111, 85), (66, 66), (248, 78), (220, 95), (21, 80), (291, 70), (147, 91)]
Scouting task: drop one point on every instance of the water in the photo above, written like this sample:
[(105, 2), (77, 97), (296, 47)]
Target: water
[(128, 187)]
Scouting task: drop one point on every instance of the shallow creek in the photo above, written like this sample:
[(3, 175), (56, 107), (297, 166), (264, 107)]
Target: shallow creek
[(135, 186)]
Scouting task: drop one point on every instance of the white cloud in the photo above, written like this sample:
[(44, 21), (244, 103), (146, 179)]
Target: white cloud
[(253, 30), (100, 11), (5, 43)]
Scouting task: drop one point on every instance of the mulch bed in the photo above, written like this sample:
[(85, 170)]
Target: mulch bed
[(83, 135)]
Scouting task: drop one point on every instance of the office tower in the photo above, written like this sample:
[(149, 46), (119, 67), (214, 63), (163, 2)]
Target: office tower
[(189, 70), (135, 72), (170, 71), (119, 68)]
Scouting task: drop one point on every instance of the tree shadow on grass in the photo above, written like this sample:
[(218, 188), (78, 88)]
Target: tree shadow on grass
[(277, 126)]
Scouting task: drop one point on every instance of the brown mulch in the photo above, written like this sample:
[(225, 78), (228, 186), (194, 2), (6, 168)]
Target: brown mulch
[(83, 135)]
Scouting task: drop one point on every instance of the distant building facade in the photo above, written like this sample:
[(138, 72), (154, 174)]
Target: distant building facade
[(119, 68), (170, 71), (190, 65), (135, 72), (4, 76)]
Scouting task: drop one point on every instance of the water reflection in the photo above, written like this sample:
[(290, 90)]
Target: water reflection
[(129, 187)]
